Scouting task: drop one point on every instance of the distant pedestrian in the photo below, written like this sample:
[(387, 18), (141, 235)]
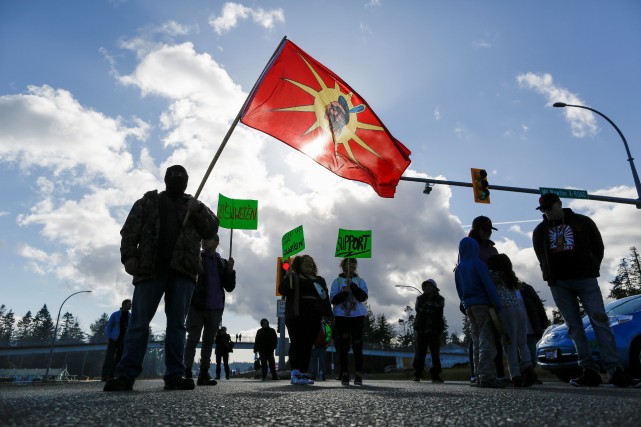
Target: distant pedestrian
[(115, 331), (348, 293), (224, 346), (479, 297), (163, 256), (306, 301), (265, 343), (429, 325), (207, 307), (570, 250), (240, 337), (236, 337)]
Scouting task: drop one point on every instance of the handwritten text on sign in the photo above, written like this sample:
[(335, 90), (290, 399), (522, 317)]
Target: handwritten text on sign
[(293, 242), (238, 214), (354, 244)]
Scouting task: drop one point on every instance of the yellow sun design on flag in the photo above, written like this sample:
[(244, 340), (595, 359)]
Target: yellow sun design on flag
[(335, 114)]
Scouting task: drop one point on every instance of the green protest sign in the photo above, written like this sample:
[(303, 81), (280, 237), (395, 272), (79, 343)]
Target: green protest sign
[(354, 244), (237, 214), (293, 242)]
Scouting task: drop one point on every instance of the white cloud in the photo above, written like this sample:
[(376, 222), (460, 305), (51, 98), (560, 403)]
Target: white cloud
[(581, 121), (374, 3), (482, 44), (96, 176), (437, 114), (234, 12)]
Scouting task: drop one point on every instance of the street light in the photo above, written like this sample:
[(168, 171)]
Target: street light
[(407, 286), (55, 332), (637, 183)]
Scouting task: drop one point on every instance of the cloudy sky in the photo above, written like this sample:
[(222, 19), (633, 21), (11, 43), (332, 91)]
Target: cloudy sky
[(98, 98)]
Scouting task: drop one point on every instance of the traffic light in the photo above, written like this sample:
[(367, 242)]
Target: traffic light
[(281, 270), (480, 186)]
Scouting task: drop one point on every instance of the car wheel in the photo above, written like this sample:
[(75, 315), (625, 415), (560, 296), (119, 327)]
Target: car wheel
[(635, 358), (566, 376)]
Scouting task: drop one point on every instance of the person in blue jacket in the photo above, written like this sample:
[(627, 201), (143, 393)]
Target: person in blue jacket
[(479, 298), (115, 331)]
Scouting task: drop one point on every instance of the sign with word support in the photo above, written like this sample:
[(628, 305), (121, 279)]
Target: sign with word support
[(354, 244), (293, 242), (565, 193), (237, 214)]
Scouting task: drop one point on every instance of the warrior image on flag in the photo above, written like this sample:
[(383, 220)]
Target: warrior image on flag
[(302, 103)]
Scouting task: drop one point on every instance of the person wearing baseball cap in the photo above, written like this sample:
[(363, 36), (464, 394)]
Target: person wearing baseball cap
[(570, 249), (481, 232)]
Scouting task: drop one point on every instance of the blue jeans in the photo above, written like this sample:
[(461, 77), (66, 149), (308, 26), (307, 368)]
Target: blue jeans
[(484, 339), (177, 289), (566, 294)]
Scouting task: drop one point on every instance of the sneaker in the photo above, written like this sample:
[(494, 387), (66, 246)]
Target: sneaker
[(205, 380), (495, 383), (301, 380), (416, 379), (122, 383), (620, 378), (436, 379), (227, 377), (589, 378), (345, 380), (472, 380), (358, 380), (180, 383)]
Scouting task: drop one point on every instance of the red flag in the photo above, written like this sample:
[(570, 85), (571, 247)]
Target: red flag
[(308, 107)]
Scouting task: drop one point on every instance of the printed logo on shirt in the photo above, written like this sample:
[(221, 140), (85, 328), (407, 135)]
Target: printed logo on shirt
[(561, 238)]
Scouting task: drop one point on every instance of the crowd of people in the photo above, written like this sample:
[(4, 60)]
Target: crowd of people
[(169, 243)]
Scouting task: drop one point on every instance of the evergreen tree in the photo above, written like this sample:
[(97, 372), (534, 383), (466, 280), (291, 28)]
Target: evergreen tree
[(42, 326), (444, 334), (97, 329), (6, 326), (557, 319), (24, 329), (369, 325), (467, 330), (383, 332), (70, 331), (621, 284), (406, 326), (627, 281), (454, 339)]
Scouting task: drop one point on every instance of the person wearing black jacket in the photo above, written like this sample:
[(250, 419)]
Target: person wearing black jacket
[(537, 318), (570, 250), (428, 326), (206, 309), (265, 343)]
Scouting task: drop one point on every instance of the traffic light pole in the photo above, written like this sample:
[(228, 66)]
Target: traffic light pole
[(596, 197)]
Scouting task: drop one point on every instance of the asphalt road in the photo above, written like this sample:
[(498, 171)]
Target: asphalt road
[(242, 402)]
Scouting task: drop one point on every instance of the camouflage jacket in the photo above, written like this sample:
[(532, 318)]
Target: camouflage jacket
[(142, 228)]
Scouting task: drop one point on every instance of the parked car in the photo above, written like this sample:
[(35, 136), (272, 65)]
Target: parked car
[(556, 352)]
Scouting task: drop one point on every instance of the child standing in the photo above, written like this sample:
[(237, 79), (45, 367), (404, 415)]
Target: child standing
[(514, 321)]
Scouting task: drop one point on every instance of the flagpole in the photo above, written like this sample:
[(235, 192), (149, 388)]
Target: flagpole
[(233, 126), (231, 237)]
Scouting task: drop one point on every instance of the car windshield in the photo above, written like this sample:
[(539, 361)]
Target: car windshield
[(626, 307), (619, 307)]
